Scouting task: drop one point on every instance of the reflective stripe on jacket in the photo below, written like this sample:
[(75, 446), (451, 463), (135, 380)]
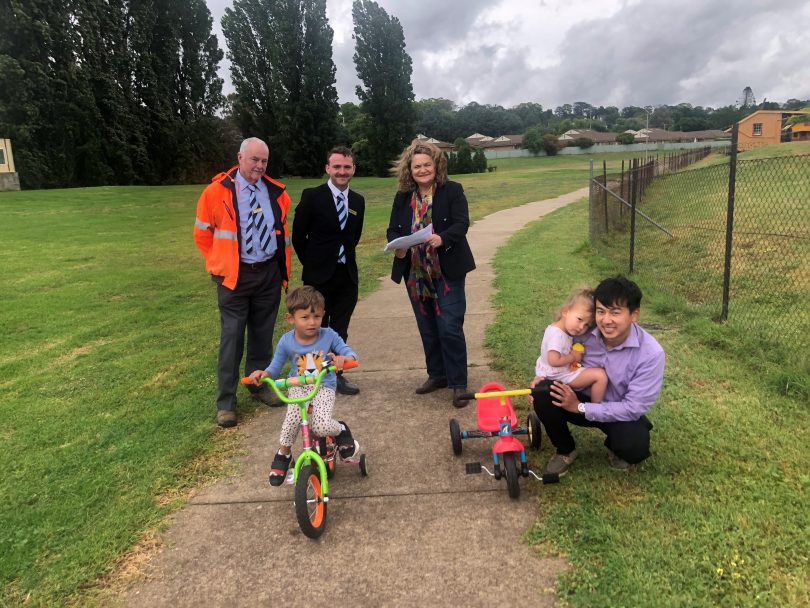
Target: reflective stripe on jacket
[(216, 228)]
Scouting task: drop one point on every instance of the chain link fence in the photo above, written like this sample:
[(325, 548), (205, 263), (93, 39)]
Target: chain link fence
[(731, 237)]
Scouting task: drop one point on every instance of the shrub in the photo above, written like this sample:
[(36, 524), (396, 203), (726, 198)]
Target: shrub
[(582, 142), (625, 138)]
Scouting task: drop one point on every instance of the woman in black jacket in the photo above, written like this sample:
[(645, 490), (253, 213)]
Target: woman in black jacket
[(435, 271)]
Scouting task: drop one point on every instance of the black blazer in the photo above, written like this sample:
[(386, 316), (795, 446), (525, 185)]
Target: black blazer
[(451, 218), (316, 234)]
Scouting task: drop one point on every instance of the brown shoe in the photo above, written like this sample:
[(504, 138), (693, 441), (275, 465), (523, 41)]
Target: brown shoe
[(560, 463), (431, 384), (226, 418), (458, 393), (268, 397)]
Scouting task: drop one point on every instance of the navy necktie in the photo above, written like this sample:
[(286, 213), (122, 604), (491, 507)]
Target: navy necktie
[(343, 214), (256, 224)]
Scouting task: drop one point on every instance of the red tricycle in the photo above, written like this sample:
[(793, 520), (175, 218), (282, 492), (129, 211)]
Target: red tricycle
[(497, 418)]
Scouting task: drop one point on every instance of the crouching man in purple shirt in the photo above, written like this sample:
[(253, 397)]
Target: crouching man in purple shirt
[(634, 363)]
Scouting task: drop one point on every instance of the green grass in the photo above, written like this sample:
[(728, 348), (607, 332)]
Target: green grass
[(770, 269), (718, 516), (107, 369), (107, 364)]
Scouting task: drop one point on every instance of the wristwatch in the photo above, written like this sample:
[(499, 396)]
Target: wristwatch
[(581, 408)]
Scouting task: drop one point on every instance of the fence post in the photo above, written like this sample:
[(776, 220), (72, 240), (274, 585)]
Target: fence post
[(591, 229), (634, 184), (732, 182), (605, 195)]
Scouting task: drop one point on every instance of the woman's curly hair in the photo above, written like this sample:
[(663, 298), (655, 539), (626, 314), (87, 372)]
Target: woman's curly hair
[(402, 166)]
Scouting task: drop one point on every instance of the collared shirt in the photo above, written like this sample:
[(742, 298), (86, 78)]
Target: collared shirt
[(263, 199), (335, 193), (635, 371)]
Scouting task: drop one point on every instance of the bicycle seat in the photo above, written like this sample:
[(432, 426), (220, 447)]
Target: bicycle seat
[(489, 410)]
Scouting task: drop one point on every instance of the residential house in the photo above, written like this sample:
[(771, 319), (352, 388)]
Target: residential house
[(762, 128), (597, 137), (441, 145), (799, 131), (9, 180), (654, 135)]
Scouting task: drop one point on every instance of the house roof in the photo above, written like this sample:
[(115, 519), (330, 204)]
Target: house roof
[(595, 136)]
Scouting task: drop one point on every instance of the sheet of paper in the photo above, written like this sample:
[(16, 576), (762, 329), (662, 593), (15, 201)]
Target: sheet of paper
[(417, 238)]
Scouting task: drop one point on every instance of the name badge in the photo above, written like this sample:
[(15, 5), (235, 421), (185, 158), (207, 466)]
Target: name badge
[(352, 211)]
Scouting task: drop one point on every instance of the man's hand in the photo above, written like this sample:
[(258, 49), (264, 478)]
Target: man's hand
[(256, 377), (400, 253), (563, 396)]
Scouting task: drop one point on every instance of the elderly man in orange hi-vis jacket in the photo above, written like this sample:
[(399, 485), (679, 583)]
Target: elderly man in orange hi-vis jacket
[(241, 230)]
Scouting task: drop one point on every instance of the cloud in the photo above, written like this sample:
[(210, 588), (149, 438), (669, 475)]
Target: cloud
[(615, 52)]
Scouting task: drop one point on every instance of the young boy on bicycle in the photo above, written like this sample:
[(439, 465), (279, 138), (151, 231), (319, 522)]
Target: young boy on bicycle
[(308, 347)]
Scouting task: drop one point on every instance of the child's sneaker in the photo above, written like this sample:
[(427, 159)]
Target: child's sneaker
[(279, 468), (347, 446)]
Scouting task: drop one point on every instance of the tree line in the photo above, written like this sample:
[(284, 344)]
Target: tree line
[(98, 92)]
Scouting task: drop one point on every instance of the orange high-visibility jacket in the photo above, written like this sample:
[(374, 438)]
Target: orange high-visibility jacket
[(216, 229)]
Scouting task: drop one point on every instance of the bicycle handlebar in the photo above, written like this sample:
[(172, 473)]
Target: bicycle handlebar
[(282, 384)]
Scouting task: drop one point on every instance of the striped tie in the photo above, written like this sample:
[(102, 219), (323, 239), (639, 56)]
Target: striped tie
[(342, 215), (256, 223)]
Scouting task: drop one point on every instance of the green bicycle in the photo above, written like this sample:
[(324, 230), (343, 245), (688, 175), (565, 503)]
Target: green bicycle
[(315, 465)]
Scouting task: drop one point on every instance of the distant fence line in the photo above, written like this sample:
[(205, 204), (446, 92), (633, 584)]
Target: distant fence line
[(731, 238), (600, 148)]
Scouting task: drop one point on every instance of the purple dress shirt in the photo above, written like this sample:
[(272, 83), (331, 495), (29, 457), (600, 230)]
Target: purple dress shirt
[(635, 371)]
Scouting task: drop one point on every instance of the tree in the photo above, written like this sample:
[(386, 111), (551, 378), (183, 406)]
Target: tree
[(255, 50), (551, 145), (533, 140), (315, 111), (436, 118), (479, 161), (625, 138), (384, 68), (464, 161)]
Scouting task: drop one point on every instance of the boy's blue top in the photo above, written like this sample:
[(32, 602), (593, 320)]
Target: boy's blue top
[(307, 359)]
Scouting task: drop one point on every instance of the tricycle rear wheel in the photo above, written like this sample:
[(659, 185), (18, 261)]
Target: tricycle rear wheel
[(455, 436), (533, 424)]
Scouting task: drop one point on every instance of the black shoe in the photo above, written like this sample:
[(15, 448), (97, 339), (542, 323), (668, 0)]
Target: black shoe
[(278, 471), (457, 394), (268, 397), (344, 387), (431, 384), (347, 446)]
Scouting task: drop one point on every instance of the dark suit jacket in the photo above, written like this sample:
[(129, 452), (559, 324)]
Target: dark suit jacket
[(316, 234), (451, 218)]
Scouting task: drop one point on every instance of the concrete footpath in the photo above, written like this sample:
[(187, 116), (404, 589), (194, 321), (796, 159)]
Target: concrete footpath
[(417, 531)]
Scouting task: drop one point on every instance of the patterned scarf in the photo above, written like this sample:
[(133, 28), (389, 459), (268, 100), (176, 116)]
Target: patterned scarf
[(425, 268)]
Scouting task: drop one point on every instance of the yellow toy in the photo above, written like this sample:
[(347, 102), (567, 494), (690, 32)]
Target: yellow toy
[(578, 348)]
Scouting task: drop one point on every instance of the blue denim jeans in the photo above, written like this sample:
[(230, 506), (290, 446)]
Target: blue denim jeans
[(443, 333)]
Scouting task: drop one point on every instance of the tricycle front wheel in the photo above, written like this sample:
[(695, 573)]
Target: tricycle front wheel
[(510, 468)]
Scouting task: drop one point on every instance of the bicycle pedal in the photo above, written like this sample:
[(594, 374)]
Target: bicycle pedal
[(472, 468)]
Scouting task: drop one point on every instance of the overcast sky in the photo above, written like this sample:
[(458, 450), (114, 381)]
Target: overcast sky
[(610, 52)]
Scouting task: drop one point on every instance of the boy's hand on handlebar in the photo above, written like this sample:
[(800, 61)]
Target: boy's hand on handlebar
[(339, 360), (256, 377)]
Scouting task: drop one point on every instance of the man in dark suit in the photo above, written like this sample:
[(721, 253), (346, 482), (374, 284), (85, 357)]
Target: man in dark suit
[(326, 229)]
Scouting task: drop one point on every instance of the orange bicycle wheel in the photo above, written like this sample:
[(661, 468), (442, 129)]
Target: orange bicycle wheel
[(310, 506)]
